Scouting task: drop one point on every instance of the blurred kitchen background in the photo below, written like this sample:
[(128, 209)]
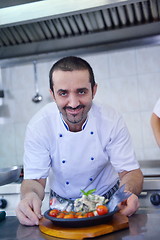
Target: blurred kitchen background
[(121, 41)]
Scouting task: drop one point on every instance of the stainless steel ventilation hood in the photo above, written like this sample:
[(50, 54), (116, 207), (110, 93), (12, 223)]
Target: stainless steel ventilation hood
[(36, 28)]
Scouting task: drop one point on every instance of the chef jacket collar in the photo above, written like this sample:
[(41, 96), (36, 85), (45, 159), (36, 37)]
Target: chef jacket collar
[(66, 125)]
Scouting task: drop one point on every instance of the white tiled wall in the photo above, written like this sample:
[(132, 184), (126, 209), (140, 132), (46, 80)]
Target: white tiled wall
[(128, 80)]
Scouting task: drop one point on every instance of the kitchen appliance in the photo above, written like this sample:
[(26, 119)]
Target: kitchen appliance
[(44, 27), (2, 215), (150, 196), (8, 175)]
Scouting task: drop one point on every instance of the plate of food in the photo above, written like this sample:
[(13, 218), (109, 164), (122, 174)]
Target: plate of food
[(89, 210), (77, 219)]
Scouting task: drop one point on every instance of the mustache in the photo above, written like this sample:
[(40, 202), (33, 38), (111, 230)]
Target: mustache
[(78, 107)]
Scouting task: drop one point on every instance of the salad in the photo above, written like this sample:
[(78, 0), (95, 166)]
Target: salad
[(89, 201), (89, 205)]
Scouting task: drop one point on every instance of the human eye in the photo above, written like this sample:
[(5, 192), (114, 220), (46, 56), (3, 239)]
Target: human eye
[(62, 93), (81, 91)]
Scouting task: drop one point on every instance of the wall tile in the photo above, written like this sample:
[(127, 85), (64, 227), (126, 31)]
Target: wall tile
[(133, 121), (99, 64), (149, 90), (122, 63), (147, 134), (124, 93), (7, 145), (20, 77), (148, 60)]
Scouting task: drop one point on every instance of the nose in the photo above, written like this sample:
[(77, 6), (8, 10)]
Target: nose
[(73, 101)]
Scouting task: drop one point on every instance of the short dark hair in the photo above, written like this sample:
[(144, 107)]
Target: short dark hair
[(71, 63)]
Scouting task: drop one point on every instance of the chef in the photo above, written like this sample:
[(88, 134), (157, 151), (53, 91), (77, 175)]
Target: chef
[(78, 144), (155, 121)]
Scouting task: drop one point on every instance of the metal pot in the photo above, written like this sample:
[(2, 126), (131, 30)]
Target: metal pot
[(9, 175)]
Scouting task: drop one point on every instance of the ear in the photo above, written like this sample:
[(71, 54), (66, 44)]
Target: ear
[(52, 94), (94, 90)]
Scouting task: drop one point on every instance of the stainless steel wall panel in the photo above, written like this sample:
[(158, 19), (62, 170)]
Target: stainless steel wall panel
[(39, 34), (66, 26), (93, 21), (80, 23), (87, 22), (103, 19), (4, 38), (26, 28), (107, 18), (114, 16), (22, 34), (16, 35), (52, 28), (45, 30), (154, 9), (146, 12), (59, 27), (122, 15), (138, 12), (73, 25), (130, 13), (9, 36), (99, 20)]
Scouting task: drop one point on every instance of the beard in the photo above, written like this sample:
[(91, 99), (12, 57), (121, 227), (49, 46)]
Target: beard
[(74, 118)]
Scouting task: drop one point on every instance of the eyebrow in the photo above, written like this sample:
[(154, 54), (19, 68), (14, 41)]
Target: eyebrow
[(78, 89), (82, 89), (62, 90)]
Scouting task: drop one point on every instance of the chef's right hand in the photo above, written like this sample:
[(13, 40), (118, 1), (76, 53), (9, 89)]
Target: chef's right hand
[(29, 209)]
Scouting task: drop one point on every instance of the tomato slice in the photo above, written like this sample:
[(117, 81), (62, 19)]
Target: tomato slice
[(101, 210)]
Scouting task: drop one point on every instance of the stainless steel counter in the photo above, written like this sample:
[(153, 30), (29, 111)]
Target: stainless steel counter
[(141, 227)]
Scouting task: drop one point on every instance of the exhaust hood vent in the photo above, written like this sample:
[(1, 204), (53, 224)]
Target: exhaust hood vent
[(106, 25)]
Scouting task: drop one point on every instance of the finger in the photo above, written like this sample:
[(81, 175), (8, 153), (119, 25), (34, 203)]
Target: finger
[(24, 220), (127, 211), (37, 208), (28, 214)]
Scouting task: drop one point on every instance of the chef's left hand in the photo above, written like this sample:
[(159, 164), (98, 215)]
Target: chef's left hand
[(130, 206)]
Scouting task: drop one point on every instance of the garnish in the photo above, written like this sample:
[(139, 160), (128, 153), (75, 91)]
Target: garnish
[(88, 192)]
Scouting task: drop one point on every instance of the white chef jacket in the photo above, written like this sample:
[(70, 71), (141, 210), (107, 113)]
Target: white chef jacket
[(156, 109), (73, 161)]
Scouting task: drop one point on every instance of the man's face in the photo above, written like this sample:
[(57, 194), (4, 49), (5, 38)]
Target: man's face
[(73, 96)]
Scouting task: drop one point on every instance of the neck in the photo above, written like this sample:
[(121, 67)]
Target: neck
[(75, 127)]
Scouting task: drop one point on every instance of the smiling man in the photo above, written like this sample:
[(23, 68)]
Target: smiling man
[(78, 144), (73, 95)]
